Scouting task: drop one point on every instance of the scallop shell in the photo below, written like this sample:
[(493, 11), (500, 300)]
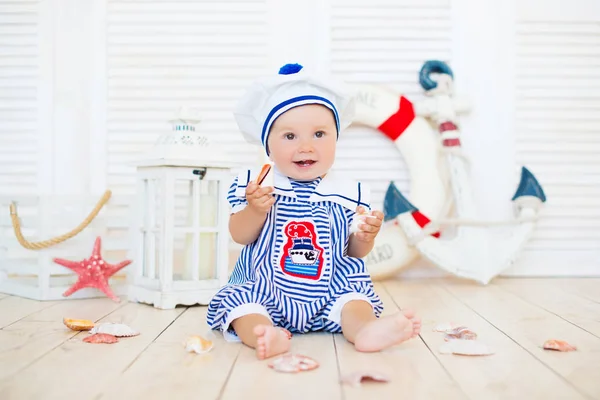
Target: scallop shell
[(101, 338), (119, 330), (466, 348), (198, 344), (78, 324), (357, 377), (293, 363), (461, 332), (558, 345)]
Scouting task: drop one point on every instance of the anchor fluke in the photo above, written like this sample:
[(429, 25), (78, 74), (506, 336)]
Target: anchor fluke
[(395, 203), (529, 186)]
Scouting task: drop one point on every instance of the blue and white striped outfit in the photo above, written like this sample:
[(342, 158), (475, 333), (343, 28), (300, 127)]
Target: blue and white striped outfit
[(297, 272)]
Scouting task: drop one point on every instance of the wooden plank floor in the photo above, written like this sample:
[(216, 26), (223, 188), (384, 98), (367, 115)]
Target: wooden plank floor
[(41, 359)]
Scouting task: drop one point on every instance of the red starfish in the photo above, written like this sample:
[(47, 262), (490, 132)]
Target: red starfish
[(93, 272)]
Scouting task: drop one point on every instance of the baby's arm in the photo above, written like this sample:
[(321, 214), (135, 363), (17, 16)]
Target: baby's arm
[(361, 243), (245, 225)]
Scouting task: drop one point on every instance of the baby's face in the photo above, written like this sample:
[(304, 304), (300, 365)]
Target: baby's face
[(302, 142)]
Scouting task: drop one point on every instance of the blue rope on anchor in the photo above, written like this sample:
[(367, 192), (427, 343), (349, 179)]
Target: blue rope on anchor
[(430, 67)]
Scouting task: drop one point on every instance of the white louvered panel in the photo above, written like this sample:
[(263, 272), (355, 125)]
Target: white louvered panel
[(384, 42), (558, 126), (19, 63), (162, 55)]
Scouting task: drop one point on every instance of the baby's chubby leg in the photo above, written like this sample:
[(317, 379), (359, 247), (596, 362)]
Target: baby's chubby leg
[(361, 327), (258, 332)]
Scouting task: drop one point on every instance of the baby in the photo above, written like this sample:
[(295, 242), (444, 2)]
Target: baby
[(300, 268)]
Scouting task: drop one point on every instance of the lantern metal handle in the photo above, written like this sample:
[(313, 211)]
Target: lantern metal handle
[(200, 172)]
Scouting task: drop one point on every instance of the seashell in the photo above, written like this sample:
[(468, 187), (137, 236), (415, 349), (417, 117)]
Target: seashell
[(78, 324), (558, 345), (462, 332), (119, 330), (466, 348), (198, 344), (293, 363), (359, 219), (101, 338), (265, 176), (357, 377)]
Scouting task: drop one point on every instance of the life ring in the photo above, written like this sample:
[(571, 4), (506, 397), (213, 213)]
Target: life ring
[(394, 115)]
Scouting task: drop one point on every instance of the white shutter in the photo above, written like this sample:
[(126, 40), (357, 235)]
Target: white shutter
[(19, 74), (384, 42), (558, 130), (164, 54)]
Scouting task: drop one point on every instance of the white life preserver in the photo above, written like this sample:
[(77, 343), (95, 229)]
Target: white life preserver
[(394, 115)]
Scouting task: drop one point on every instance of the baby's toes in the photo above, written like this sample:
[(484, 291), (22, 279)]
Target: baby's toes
[(261, 348)]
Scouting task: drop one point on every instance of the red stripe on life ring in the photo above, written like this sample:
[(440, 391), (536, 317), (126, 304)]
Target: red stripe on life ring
[(451, 142), (397, 123), (422, 220)]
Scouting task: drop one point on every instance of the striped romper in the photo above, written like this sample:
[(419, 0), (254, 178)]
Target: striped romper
[(297, 272)]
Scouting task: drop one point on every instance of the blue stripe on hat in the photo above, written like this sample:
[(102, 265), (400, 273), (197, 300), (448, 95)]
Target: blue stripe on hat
[(298, 99)]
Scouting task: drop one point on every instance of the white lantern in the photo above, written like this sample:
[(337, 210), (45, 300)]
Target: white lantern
[(182, 225)]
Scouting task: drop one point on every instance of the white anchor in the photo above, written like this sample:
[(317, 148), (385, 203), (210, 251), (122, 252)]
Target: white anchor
[(476, 252)]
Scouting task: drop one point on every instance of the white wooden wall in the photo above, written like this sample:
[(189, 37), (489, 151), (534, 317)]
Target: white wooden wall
[(87, 86), (557, 119)]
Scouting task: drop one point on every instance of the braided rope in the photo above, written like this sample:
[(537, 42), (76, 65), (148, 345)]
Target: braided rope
[(56, 240)]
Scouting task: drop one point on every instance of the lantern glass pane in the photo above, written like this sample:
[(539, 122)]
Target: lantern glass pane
[(196, 203), (183, 216), (150, 229), (207, 265), (209, 200), (194, 256), (184, 254)]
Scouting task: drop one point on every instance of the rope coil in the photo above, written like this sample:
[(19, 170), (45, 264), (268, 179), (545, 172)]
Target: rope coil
[(58, 239)]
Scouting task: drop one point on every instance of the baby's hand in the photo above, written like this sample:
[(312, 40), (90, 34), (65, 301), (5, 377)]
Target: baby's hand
[(260, 199), (369, 225)]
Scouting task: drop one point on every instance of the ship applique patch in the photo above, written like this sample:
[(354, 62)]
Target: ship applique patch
[(302, 257)]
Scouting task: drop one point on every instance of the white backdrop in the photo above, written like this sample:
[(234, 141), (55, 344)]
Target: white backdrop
[(87, 86)]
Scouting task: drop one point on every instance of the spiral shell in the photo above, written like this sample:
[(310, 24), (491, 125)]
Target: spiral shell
[(198, 344)]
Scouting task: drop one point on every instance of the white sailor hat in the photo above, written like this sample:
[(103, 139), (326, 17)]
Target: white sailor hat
[(271, 96)]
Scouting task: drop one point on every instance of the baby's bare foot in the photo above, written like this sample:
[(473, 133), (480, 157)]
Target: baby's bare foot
[(387, 331), (270, 341)]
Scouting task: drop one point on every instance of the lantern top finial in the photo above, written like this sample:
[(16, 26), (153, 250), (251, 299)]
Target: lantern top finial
[(186, 114), (184, 145)]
